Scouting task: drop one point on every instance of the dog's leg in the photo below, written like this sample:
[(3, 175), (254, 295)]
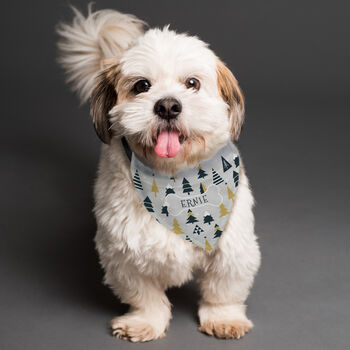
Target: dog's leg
[(222, 310), (149, 314), (229, 274)]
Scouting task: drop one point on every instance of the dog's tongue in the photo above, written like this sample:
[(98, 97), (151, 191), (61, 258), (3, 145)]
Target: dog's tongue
[(168, 144)]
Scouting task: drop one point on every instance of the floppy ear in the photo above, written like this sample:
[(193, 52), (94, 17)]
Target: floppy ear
[(103, 98), (233, 96)]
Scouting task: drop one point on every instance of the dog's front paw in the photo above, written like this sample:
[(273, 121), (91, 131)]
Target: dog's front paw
[(226, 329), (224, 321), (136, 328)]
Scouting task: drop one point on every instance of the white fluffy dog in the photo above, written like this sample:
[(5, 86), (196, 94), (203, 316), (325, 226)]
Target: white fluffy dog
[(125, 69)]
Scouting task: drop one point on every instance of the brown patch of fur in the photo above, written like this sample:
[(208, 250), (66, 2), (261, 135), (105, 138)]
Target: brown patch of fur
[(188, 156), (232, 95), (125, 87), (235, 329), (103, 98), (109, 62)]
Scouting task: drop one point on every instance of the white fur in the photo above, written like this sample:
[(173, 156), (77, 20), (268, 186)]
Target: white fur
[(167, 59), (141, 258), (87, 41)]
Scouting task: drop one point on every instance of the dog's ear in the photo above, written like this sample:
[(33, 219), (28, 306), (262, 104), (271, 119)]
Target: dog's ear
[(103, 98), (233, 96)]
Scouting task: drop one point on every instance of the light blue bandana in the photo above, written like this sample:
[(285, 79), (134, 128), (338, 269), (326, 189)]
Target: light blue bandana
[(195, 203)]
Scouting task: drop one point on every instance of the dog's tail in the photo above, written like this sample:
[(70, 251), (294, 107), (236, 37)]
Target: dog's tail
[(90, 40)]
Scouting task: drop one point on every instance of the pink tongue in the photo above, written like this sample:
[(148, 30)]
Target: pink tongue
[(168, 144)]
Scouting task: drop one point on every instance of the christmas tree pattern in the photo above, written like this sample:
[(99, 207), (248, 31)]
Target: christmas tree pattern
[(202, 188), (201, 173), (155, 188), (197, 230), (174, 178), (236, 160), (186, 186), (136, 180), (148, 204), (188, 239), (230, 194), (223, 210), (217, 179), (207, 246), (235, 178), (190, 217), (225, 164), (177, 228), (165, 210), (207, 219), (218, 232), (169, 190)]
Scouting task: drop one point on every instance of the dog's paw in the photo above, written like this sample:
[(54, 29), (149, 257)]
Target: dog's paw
[(235, 329), (135, 329)]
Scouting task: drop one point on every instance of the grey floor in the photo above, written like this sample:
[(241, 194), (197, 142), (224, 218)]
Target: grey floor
[(296, 149)]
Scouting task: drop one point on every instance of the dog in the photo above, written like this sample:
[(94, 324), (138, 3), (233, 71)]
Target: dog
[(175, 104)]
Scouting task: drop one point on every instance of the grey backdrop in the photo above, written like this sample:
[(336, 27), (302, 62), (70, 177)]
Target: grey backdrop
[(292, 59)]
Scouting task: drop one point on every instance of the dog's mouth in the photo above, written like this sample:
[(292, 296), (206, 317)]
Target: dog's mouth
[(168, 142)]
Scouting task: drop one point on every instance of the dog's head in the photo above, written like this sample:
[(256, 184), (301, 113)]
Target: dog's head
[(172, 98)]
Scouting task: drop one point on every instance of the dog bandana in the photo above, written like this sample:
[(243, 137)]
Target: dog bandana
[(195, 203)]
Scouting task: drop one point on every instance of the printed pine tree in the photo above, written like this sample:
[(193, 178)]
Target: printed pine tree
[(197, 230), (236, 160), (136, 180), (177, 228), (148, 204), (230, 194), (207, 219), (207, 246), (186, 186), (218, 232), (235, 178), (165, 210), (201, 173), (169, 190), (225, 164), (190, 217), (223, 210), (188, 239), (154, 188), (202, 188), (217, 179)]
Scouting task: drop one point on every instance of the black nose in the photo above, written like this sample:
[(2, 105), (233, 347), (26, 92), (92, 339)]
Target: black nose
[(168, 108)]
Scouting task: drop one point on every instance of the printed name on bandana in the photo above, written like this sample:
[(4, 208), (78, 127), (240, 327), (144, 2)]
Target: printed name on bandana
[(194, 202)]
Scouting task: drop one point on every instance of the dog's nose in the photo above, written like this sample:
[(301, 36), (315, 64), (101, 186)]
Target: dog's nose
[(167, 108)]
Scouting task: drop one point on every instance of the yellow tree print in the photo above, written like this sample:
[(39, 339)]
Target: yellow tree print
[(223, 210), (202, 188), (208, 246), (154, 188), (177, 228), (230, 194)]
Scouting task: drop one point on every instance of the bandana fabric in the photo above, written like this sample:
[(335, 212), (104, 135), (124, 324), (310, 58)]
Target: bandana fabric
[(195, 203)]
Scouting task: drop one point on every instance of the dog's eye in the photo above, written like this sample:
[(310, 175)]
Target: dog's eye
[(192, 83), (142, 86)]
